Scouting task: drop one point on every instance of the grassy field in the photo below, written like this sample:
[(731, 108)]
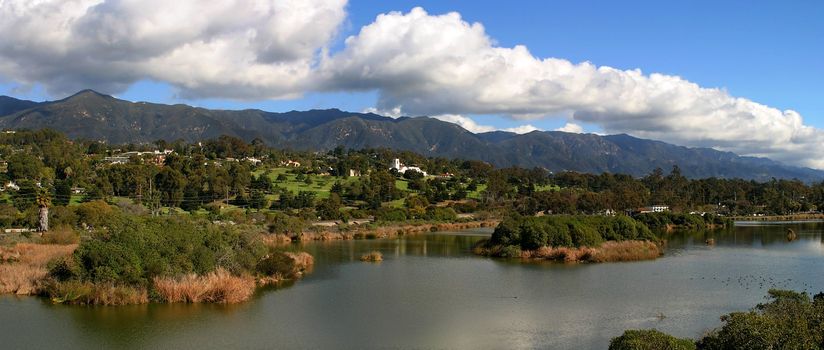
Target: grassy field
[(321, 185)]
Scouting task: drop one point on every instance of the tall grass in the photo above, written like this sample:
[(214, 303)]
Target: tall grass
[(23, 266), (219, 286)]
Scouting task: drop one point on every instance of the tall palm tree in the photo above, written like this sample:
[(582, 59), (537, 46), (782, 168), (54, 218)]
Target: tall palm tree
[(44, 202)]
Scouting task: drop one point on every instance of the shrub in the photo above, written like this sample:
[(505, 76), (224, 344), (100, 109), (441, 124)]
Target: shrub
[(649, 340), (284, 264)]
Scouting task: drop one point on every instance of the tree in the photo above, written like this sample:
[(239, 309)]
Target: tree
[(62, 192), (170, 184), (329, 208), (43, 204), (25, 197), (23, 165), (258, 200)]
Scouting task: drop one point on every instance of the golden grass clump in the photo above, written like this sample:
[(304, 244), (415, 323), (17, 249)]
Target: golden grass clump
[(37, 254), (24, 265), (303, 261), (20, 279), (373, 256), (218, 286)]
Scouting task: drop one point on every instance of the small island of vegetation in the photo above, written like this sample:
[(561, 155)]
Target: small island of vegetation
[(572, 239)]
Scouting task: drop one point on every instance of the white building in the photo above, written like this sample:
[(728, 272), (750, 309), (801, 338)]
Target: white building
[(657, 209), (401, 168)]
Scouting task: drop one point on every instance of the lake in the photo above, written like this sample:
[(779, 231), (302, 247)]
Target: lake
[(430, 292)]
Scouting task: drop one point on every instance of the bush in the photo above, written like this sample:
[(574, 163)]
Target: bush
[(649, 340), (284, 264)]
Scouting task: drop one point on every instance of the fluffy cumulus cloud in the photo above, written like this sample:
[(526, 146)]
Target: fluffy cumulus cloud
[(419, 63), (441, 64), (227, 48)]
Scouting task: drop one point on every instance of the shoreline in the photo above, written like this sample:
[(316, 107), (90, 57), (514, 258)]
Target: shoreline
[(609, 251), (779, 218), (389, 231)]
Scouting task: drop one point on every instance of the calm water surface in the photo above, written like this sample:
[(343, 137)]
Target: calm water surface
[(431, 293)]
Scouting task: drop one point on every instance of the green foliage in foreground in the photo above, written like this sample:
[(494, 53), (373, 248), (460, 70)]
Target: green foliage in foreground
[(790, 320), (567, 231), (649, 339), (132, 250)]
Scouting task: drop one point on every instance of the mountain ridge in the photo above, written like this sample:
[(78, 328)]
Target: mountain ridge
[(91, 115)]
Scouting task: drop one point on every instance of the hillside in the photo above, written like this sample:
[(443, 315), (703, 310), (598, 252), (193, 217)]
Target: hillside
[(92, 115)]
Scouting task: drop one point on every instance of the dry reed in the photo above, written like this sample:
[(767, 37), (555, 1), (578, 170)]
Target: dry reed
[(219, 286), (24, 265)]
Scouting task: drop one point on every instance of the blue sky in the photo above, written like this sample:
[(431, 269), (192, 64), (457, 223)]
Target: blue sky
[(765, 57)]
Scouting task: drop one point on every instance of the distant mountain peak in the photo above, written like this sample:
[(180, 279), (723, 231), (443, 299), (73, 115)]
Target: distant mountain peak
[(87, 93)]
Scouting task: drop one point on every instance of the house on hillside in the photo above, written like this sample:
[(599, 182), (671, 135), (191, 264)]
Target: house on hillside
[(401, 168), (653, 209)]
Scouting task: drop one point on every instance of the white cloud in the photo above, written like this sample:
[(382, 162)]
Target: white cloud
[(420, 64), (227, 48), (571, 127), (442, 64), (469, 124), (394, 112)]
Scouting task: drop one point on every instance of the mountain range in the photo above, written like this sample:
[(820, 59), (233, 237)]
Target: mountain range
[(91, 115)]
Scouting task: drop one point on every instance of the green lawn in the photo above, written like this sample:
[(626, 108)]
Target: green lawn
[(547, 188), (321, 185), (476, 194)]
